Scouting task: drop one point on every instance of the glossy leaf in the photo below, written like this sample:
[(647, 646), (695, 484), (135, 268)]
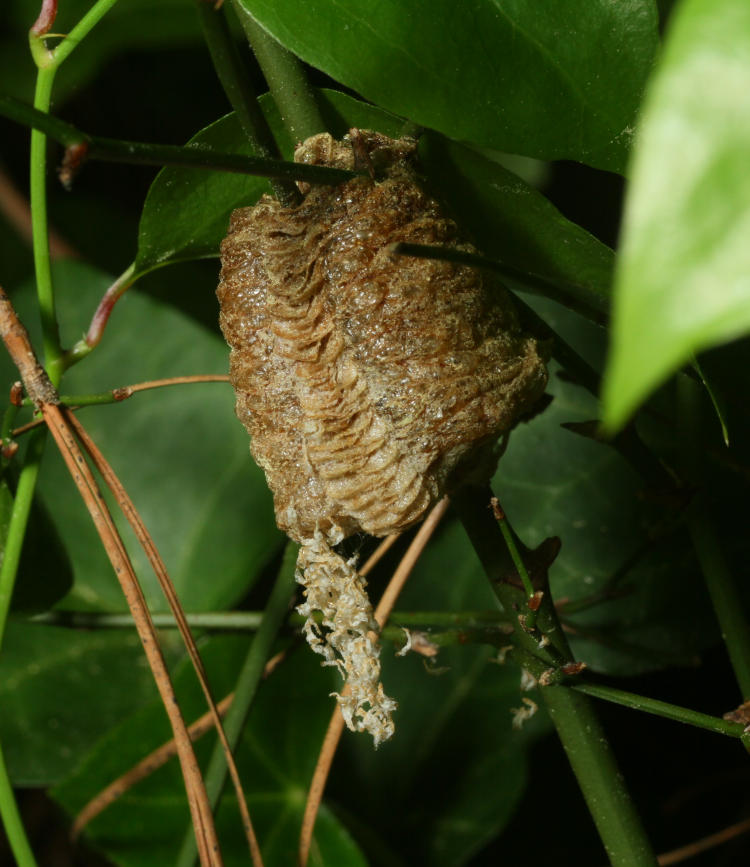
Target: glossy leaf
[(511, 221), (275, 758), (180, 452), (532, 78), (682, 282)]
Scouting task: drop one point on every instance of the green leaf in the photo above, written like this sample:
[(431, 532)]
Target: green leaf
[(276, 758), (510, 220), (187, 211), (180, 452), (60, 690), (549, 80), (682, 281)]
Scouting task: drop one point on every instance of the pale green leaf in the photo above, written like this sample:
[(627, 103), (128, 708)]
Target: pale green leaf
[(683, 281)]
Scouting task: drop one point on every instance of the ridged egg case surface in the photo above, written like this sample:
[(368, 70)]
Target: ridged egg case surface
[(364, 378)]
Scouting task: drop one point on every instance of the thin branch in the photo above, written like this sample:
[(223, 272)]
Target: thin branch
[(235, 80), (81, 147), (662, 708), (287, 81), (200, 809), (247, 683), (77, 401), (336, 725)]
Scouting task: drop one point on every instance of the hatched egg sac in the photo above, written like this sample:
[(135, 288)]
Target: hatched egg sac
[(366, 380)]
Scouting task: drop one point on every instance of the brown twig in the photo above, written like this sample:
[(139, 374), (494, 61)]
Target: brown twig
[(160, 570), (154, 760), (44, 396), (692, 849), (382, 613)]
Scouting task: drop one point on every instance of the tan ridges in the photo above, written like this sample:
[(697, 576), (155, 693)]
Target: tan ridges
[(365, 381)]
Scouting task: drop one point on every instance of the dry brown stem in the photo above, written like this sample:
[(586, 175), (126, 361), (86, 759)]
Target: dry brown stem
[(147, 543), (44, 396)]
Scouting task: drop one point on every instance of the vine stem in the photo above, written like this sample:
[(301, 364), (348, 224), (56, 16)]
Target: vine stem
[(577, 725), (82, 146), (235, 81), (14, 830), (286, 79)]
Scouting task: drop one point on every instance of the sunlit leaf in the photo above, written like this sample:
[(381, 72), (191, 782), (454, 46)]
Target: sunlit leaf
[(682, 282)]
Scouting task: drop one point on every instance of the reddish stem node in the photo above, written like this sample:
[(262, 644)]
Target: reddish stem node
[(46, 19)]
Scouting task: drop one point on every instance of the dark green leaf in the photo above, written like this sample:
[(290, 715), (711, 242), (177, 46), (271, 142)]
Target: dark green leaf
[(682, 283), (511, 221), (276, 759), (549, 80), (60, 690)]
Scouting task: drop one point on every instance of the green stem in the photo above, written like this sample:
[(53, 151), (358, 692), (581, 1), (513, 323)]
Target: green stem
[(442, 628), (144, 153), (286, 79), (14, 830), (74, 38), (19, 517), (235, 80), (574, 718), (602, 785), (48, 62), (246, 688), (40, 240), (513, 551), (662, 709)]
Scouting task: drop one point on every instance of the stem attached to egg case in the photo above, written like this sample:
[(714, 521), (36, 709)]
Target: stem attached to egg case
[(544, 652)]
